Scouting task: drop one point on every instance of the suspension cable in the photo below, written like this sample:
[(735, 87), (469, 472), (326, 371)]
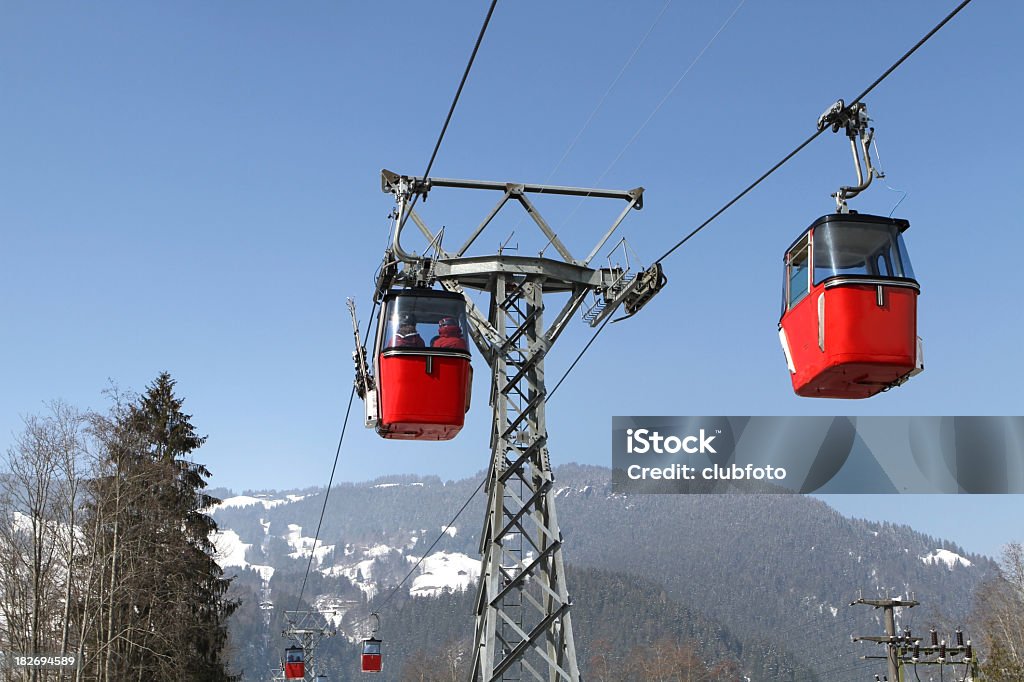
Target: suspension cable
[(444, 531), (806, 142), (451, 109), (722, 210), (334, 468), (426, 173), (479, 487), (327, 494), (771, 170)]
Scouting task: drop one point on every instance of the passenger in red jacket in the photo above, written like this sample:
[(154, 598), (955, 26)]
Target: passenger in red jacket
[(449, 335), (406, 335)]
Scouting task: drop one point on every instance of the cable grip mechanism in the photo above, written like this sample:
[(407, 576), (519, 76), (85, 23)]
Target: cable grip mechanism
[(854, 121)]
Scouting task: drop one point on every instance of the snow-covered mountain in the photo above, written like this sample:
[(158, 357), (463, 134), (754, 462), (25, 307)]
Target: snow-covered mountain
[(756, 564)]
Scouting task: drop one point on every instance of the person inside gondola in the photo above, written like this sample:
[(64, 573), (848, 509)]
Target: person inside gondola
[(449, 335), (406, 336)]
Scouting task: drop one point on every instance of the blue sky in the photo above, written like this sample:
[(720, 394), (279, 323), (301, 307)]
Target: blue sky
[(194, 187)]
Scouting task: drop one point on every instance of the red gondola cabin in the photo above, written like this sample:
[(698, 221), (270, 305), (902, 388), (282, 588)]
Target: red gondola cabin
[(422, 366), (294, 663), (849, 309), (371, 657)]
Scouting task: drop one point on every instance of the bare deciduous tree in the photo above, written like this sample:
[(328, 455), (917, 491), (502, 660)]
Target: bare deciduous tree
[(39, 496), (999, 619)]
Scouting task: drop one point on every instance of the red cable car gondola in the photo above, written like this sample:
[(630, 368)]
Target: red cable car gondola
[(422, 366), (294, 663), (849, 309), (371, 656)]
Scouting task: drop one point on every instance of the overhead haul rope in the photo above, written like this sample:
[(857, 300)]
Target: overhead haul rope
[(334, 468), (450, 524), (451, 109), (444, 531), (813, 137), (351, 397), (785, 159), (657, 107), (728, 205), (607, 92)]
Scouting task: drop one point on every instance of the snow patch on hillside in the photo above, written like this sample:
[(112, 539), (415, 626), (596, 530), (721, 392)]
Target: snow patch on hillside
[(944, 556), (359, 574), (379, 550), (303, 545), (444, 572), (230, 551), (245, 501), (450, 530)]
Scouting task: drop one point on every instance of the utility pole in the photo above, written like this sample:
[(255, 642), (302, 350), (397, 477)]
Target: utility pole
[(903, 649), (892, 654), (523, 623)]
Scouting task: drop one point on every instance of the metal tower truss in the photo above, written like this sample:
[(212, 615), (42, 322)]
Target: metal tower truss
[(306, 629), (523, 622)]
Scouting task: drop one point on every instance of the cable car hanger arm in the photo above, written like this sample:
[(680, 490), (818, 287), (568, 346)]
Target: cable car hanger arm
[(854, 120)]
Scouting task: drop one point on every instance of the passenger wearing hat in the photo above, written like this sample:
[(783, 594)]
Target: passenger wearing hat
[(449, 335), (406, 335)]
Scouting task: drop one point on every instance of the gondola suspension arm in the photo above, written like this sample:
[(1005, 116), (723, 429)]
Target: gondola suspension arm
[(854, 119)]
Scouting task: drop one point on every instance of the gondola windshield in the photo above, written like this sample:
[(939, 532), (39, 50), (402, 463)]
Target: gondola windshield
[(860, 249), (422, 321)]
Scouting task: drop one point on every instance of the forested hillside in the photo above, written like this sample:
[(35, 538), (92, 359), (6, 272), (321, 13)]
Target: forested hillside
[(748, 585)]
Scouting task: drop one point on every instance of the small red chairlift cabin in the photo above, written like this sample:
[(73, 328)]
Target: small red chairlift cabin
[(370, 659), (849, 308), (371, 656), (294, 663), (422, 366)]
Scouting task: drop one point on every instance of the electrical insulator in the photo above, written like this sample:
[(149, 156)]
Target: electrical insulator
[(970, 652), (935, 637), (917, 652), (942, 650), (959, 637)]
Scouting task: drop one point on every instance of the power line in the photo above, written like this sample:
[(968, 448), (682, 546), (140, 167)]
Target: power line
[(806, 142), (671, 90)]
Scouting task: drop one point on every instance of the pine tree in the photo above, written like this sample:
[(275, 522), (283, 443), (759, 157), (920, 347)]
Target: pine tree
[(161, 595)]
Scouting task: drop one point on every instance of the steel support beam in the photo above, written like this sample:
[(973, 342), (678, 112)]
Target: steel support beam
[(523, 621)]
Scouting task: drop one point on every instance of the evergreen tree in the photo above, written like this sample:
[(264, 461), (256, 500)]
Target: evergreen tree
[(162, 594)]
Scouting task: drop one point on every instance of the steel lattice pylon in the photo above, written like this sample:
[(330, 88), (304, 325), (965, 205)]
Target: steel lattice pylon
[(523, 623)]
